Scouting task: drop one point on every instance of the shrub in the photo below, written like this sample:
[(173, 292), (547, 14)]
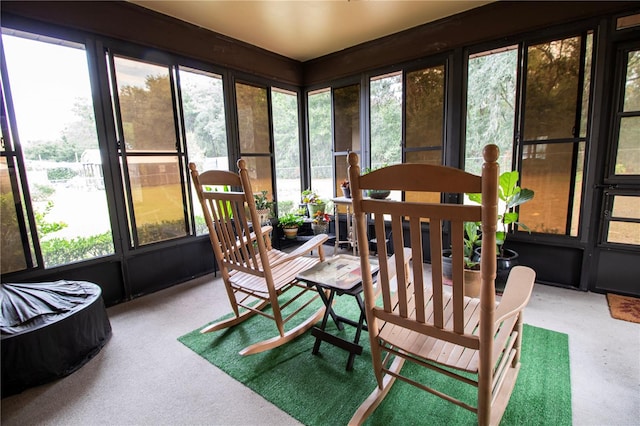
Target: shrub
[(41, 192), (285, 206), (60, 173), (58, 251), (44, 226)]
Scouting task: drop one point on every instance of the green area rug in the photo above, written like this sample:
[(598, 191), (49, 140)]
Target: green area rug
[(317, 390)]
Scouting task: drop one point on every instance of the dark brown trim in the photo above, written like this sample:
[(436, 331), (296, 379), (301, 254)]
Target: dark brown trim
[(127, 21), (488, 23)]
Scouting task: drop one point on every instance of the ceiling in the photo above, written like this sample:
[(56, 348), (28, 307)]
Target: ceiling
[(304, 30)]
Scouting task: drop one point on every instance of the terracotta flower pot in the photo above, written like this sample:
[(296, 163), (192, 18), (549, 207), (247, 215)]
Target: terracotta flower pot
[(472, 282)]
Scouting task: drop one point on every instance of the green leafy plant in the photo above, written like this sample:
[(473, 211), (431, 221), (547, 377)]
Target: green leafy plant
[(201, 225), (60, 174), (471, 241), (310, 196), (285, 206), (58, 251), (43, 225), (290, 220), (262, 202), (225, 188), (40, 192), (512, 196)]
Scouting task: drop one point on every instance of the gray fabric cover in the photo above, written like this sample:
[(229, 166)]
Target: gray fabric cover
[(49, 330)]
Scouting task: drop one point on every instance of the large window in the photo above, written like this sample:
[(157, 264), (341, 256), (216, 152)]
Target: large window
[(286, 139), (385, 105), (149, 151), (424, 138), (205, 127), (628, 153), (420, 94), (424, 116), (56, 135), (491, 106), (320, 141), (552, 138), (549, 133), (346, 129), (253, 131), (622, 206), (386, 119)]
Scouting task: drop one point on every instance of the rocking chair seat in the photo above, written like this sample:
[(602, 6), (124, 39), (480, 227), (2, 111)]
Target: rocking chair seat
[(285, 272), (443, 352)]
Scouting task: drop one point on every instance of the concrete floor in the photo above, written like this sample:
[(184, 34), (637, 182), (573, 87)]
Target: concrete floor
[(144, 376)]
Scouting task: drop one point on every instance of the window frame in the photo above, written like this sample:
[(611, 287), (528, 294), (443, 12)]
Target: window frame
[(523, 42)]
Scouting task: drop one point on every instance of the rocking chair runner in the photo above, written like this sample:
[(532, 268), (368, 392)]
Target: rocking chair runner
[(439, 328), (255, 275)]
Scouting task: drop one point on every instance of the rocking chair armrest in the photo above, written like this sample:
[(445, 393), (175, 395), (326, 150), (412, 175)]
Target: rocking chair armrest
[(266, 234), (306, 248), (265, 229), (517, 292)]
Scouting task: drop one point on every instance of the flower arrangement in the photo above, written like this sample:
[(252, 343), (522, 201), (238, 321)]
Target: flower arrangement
[(321, 218), (345, 188), (310, 196), (320, 223)]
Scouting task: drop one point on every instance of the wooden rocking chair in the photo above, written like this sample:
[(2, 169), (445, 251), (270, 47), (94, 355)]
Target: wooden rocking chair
[(255, 275), (434, 326)]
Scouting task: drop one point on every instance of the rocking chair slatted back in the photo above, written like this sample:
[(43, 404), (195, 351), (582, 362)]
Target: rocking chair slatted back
[(420, 319), (252, 270), (226, 216)]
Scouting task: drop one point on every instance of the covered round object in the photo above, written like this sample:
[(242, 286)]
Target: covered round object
[(49, 330)]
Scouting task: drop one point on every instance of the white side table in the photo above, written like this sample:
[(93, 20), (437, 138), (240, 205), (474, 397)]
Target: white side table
[(351, 230)]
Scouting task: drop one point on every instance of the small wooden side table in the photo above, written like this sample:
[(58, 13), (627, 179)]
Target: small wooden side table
[(339, 275)]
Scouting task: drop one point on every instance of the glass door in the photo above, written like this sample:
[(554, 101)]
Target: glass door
[(619, 243)]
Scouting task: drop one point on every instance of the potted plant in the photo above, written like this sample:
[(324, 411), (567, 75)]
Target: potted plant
[(313, 201), (471, 274), (472, 277), (290, 223), (511, 196), (346, 189), (320, 223), (263, 205), (379, 194)]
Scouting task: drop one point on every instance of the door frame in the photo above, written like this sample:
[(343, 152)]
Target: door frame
[(615, 266)]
